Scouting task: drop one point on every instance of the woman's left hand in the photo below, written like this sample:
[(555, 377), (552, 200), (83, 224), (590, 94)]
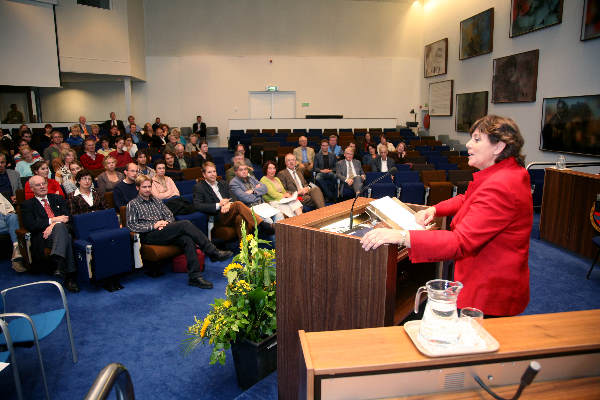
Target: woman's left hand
[(377, 237)]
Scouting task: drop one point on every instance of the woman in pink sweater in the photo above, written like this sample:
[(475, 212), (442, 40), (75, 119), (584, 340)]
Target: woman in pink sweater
[(163, 187)]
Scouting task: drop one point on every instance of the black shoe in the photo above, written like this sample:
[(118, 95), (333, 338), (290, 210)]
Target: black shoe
[(154, 272), (266, 228), (118, 285), (71, 285), (109, 286), (200, 282), (220, 255)]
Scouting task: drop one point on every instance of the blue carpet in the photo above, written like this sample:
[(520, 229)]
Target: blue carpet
[(142, 326)]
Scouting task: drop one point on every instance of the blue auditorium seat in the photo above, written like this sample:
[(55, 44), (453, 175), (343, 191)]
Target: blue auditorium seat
[(412, 189)]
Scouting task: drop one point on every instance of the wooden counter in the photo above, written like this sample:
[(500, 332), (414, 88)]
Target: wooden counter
[(389, 349)]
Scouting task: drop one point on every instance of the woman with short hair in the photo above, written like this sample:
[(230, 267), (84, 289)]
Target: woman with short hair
[(108, 179), (41, 168), (85, 198), (163, 187), (276, 192)]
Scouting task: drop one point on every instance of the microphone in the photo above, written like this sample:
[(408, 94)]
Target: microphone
[(392, 170)]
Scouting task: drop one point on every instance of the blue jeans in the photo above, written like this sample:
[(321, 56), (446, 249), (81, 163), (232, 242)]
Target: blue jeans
[(9, 224)]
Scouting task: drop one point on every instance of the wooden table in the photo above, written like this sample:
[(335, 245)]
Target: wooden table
[(389, 352)]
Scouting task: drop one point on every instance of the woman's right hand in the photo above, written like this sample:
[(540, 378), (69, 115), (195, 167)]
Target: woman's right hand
[(424, 217)]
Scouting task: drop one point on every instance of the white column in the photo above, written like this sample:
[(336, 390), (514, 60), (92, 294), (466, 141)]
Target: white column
[(127, 89)]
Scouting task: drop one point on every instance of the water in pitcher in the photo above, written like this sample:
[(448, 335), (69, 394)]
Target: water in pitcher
[(440, 324)]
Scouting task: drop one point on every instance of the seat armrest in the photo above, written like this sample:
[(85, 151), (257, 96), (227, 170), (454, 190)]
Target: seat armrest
[(52, 283)]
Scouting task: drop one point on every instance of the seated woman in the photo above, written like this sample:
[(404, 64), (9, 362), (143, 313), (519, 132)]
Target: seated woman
[(70, 185), (105, 150), (142, 158), (85, 198), (203, 155), (23, 167), (193, 146), (370, 156), (40, 168), (176, 132), (172, 141), (276, 192), (147, 133), (384, 143), (110, 177), (400, 155), (130, 147), (163, 187), (61, 164), (368, 141), (172, 169)]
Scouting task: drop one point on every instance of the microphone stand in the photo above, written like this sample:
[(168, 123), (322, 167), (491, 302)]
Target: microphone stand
[(391, 171)]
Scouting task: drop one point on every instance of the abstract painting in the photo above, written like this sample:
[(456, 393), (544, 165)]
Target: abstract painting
[(476, 35), (531, 15), (515, 78), (436, 58), (469, 108), (590, 26)]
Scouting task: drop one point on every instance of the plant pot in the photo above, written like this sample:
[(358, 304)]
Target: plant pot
[(253, 361)]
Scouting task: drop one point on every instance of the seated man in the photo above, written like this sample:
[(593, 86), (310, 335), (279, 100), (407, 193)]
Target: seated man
[(350, 171), (75, 138), (9, 223), (295, 182), (120, 154), (181, 159), (335, 148), (382, 163), (325, 169), (154, 222), (142, 159), (305, 157), (238, 158), (90, 159), (10, 180), (212, 197), (240, 147), (46, 216), (249, 190), (125, 191), (53, 151)]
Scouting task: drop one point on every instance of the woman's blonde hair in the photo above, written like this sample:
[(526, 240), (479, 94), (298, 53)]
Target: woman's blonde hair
[(105, 161)]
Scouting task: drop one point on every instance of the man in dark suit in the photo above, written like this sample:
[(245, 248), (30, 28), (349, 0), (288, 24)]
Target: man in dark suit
[(182, 160), (46, 216), (199, 127), (113, 121), (86, 129), (350, 171), (212, 197), (325, 168), (293, 181), (382, 163), (156, 123)]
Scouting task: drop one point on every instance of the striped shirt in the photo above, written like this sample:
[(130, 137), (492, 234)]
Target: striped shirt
[(143, 214)]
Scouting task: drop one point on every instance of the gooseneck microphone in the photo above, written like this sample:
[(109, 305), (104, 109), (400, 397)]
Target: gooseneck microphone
[(392, 170), (526, 379)]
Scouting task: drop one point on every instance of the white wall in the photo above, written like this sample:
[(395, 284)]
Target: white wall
[(179, 88), (567, 66)]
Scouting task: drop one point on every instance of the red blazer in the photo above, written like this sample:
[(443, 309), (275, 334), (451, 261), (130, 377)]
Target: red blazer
[(489, 239), (88, 163), (53, 187), (122, 158)]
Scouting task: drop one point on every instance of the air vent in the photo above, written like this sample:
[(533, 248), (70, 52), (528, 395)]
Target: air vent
[(454, 381)]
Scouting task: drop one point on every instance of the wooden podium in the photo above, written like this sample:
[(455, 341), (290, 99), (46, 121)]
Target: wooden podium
[(326, 281)]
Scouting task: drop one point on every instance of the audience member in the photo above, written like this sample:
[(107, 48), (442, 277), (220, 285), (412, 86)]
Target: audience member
[(6, 143), (53, 151), (105, 148), (40, 168), (125, 190), (135, 134), (90, 159), (108, 179), (350, 171), (22, 144), (183, 160), (212, 197), (86, 130), (203, 155), (75, 138), (25, 136), (163, 187), (95, 133), (355, 149), (193, 145), (276, 192), (10, 180), (143, 159), (23, 167), (176, 132), (113, 121), (158, 141), (41, 142), (382, 163), (155, 224), (70, 184), (120, 154), (305, 157), (295, 182), (400, 154), (172, 168), (371, 155), (249, 190), (238, 157), (85, 198), (171, 143), (9, 223), (384, 143), (335, 148), (61, 164), (113, 135), (130, 147), (240, 147), (147, 132), (46, 216), (166, 129), (325, 169), (199, 127), (156, 124), (368, 141)]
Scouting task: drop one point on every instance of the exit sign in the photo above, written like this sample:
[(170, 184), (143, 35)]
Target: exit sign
[(271, 88)]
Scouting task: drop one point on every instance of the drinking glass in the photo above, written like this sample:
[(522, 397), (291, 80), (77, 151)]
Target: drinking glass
[(471, 312)]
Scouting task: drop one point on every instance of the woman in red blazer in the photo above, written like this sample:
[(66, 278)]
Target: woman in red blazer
[(41, 168), (489, 236)]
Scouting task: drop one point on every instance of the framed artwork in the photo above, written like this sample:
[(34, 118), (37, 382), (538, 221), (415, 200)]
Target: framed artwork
[(469, 108), (476, 35), (440, 98), (571, 125), (531, 15), (515, 78), (436, 58), (590, 26)]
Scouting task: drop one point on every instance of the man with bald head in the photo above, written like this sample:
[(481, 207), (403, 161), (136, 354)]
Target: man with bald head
[(293, 181), (46, 216), (182, 160), (86, 129), (305, 157)]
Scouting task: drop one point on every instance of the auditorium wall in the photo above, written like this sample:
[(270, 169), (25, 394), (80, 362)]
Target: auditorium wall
[(567, 66)]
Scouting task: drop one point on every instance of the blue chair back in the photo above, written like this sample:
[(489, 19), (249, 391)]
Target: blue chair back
[(186, 187), (407, 176), (86, 224), (371, 176)]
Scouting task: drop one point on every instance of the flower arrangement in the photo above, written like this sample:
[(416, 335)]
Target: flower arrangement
[(248, 310)]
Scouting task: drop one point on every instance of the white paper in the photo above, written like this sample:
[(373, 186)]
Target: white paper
[(398, 214), (286, 200), (265, 210), (3, 365)]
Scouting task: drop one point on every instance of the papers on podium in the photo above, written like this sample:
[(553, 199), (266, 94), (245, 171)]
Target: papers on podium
[(395, 211), (264, 210)]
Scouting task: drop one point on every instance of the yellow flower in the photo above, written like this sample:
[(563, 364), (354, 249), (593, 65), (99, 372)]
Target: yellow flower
[(230, 267), (226, 304), (205, 326), (249, 237)]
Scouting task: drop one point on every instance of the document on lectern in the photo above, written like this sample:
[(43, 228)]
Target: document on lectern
[(395, 213)]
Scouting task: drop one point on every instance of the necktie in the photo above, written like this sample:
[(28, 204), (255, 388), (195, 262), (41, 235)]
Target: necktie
[(85, 130), (114, 123), (297, 180), (350, 170), (48, 209)]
